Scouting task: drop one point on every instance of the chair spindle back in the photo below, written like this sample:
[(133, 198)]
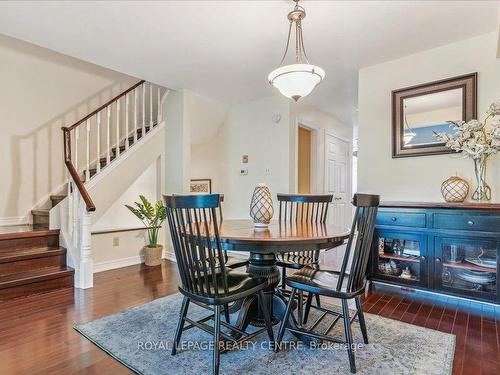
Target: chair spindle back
[(362, 232), (194, 229), (296, 208)]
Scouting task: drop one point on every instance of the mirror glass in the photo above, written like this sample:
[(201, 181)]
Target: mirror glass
[(426, 114)]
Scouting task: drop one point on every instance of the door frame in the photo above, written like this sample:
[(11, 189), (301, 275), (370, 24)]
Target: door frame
[(315, 154)]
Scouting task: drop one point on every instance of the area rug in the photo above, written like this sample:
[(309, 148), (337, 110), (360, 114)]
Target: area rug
[(141, 339)]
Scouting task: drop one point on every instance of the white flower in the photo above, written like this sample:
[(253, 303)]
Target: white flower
[(474, 125), (495, 108)]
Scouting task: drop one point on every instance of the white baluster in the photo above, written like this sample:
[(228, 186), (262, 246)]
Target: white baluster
[(151, 105), (127, 145), (86, 269), (98, 166), (70, 206), (158, 120), (108, 135), (87, 156), (135, 116), (76, 217), (143, 109), (77, 136), (118, 128)]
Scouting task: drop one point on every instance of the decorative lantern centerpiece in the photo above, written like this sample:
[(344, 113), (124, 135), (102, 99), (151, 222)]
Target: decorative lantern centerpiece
[(261, 206), (454, 189)]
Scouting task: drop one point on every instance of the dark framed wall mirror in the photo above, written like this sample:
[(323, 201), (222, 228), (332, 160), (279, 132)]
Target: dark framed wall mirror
[(419, 112)]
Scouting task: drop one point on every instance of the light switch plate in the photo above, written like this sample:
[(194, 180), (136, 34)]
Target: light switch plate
[(244, 159)]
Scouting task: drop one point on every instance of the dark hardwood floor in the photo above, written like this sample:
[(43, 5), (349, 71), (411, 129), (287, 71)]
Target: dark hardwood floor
[(36, 334)]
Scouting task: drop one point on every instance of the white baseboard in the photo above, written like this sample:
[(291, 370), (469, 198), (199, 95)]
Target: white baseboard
[(125, 262), (117, 263), (169, 256), (14, 220)]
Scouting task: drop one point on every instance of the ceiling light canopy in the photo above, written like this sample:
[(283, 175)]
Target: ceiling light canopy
[(299, 79)]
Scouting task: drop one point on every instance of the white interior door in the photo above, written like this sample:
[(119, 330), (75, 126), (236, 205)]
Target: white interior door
[(337, 179), (338, 183)]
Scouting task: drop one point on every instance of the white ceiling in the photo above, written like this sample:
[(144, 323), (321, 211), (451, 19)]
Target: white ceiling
[(225, 49)]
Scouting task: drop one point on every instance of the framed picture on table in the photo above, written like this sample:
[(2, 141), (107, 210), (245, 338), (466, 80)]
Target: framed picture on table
[(200, 186)]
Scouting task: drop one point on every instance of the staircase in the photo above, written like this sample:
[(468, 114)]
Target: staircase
[(40, 217), (31, 258), (31, 261)]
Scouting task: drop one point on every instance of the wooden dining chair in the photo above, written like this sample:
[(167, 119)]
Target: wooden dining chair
[(343, 285), (205, 279), (294, 208)]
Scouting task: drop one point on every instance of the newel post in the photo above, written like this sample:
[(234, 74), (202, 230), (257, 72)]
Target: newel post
[(86, 269)]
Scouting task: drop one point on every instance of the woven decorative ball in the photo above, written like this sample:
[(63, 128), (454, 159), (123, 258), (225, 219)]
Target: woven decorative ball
[(454, 189), (261, 206)]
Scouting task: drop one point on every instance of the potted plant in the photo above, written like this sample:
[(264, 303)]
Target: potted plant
[(152, 217)]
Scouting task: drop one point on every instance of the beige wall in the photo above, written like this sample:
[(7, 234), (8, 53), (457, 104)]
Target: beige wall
[(419, 178), (42, 91)]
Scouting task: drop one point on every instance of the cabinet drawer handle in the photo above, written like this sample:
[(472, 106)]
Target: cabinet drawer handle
[(438, 260), (470, 222), (394, 218), (422, 257)]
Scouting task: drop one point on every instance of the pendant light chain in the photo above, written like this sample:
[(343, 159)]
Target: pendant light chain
[(287, 43)]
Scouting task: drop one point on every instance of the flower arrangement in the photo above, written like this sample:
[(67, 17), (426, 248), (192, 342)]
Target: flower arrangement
[(477, 140)]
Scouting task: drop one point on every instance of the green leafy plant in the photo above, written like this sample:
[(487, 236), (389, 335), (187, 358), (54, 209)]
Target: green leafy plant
[(151, 216)]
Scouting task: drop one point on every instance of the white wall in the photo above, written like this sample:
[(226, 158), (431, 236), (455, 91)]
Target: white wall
[(419, 178), (207, 161), (117, 216), (205, 117), (249, 130), (177, 143), (41, 91)]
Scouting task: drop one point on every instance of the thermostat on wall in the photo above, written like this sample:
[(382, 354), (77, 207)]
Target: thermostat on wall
[(243, 172)]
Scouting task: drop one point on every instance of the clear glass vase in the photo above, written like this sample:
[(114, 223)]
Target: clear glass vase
[(483, 190)]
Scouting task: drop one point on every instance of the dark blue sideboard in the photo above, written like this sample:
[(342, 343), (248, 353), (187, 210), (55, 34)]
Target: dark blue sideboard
[(449, 248)]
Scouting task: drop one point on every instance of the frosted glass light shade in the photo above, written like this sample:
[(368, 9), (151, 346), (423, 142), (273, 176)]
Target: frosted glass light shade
[(296, 80)]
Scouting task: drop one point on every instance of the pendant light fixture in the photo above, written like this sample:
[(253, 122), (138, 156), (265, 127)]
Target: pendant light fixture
[(298, 79)]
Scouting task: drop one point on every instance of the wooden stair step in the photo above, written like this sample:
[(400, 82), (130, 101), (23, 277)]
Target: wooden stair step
[(34, 253), (40, 218), (56, 199), (104, 160), (37, 281), (28, 238), (41, 212), (24, 260)]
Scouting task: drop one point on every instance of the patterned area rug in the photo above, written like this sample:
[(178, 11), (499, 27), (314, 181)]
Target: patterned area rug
[(141, 339)]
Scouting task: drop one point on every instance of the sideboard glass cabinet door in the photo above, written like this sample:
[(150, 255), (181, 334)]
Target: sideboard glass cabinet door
[(466, 266), (400, 257)]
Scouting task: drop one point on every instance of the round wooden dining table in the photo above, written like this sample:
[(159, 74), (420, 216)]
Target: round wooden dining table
[(263, 244)]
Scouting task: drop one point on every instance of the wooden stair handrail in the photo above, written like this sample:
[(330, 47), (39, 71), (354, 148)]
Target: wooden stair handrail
[(103, 106), (67, 147), (74, 173)]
